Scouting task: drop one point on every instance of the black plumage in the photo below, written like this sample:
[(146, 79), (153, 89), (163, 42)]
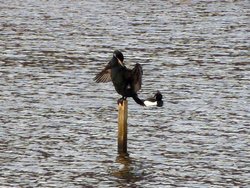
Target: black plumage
[(127, 82)]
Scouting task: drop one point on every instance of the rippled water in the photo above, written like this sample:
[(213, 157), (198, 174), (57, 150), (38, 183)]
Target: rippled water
[(58, 127)]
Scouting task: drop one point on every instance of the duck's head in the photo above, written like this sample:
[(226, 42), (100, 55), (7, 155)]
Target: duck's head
[(158, 96), (119, 56)]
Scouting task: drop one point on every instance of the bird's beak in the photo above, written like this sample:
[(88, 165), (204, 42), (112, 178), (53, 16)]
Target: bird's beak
[(119, 61)]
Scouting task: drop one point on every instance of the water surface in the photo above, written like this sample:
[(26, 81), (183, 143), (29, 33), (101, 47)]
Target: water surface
[(58, 127)]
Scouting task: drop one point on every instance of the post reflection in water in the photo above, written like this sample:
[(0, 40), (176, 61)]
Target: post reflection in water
[(129, 169)]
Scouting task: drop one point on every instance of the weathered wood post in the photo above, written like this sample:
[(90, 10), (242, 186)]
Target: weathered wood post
[(122, 127)]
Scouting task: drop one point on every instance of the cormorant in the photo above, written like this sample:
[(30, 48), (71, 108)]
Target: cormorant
[(127, 82)]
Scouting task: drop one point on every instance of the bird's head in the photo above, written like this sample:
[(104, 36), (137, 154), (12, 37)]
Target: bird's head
[(158, 96), (119, 56)]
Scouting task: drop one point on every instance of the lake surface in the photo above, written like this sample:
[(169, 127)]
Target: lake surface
[(58, 128)]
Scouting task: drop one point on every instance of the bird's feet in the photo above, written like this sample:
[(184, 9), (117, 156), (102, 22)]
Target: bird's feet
[(120, 101)]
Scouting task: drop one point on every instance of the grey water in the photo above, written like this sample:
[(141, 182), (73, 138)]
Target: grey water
[(58, 128)]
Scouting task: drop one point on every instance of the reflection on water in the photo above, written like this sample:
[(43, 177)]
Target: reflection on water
[(58, 128), (129, 169)]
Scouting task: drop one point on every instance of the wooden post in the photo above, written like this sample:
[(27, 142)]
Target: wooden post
[(122, 127)]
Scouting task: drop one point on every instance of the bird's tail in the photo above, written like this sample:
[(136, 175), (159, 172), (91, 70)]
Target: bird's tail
[(138, 101)]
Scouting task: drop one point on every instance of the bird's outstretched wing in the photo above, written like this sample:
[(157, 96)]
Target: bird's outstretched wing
[(104, 75), (137, 77)]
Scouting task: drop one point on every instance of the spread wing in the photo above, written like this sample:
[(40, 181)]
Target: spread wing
[(104, 75), (137, 77)]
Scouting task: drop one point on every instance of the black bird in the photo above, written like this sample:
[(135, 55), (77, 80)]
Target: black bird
[(127, 82)]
